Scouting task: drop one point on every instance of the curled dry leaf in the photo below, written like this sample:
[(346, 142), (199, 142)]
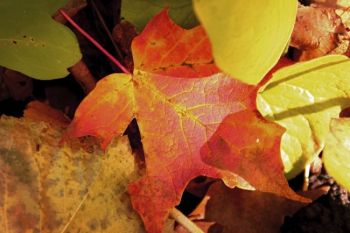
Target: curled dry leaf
[(49, 187), (316, 31)]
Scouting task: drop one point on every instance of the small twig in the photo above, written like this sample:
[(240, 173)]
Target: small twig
[(105, 28), (75, 213), (83, 76), (306, 177), (184, 221), (94, 42)]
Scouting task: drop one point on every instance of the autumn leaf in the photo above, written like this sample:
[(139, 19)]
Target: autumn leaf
[(336, 152), (303, 98), (243, 211), (316, 31), (248, 37), (248, 145), (49, 187), (178, 97), (38, 111), (32, 42)]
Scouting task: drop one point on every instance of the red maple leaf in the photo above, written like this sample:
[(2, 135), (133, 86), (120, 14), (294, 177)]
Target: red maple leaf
[(179, 98)]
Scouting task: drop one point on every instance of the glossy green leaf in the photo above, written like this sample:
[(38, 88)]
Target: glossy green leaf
[(336, 155), (303, 98), (33, 43), (248, 37), (139, 12)]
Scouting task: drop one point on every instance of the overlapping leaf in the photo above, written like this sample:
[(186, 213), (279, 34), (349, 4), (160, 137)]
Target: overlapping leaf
[(49, 187), (248, 37), (303, 98), (248, 145), (139, 12), (31, 42), (336, 155), (178, 98)]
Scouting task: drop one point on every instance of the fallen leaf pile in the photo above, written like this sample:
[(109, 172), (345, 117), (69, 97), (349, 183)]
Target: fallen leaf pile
[(217, 101)]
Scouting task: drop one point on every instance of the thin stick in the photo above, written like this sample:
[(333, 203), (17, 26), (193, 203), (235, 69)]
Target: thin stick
[(94, 42), (75, 213), (83, 76), (306, 177), (104, 26), (184, 221)]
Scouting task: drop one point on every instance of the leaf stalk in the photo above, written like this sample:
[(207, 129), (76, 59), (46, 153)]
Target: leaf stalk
[(93, 41)]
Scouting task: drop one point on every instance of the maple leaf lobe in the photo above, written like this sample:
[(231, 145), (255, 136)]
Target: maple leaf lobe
[(249, 146), (165, 48)]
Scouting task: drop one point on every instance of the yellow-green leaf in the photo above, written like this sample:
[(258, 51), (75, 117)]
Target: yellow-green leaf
[(336, 154), (32, 43), (248, 37), (303, 98)]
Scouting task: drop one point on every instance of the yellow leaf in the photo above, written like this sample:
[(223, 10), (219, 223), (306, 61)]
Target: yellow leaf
[(303, 98), (248, 37), (47, 187), (336, 155)]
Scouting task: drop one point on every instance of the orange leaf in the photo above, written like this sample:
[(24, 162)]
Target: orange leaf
[(178, 98), (249, 146)]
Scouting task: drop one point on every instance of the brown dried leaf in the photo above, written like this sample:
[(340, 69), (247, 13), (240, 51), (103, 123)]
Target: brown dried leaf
[(71, 8), (38, 111), (316, 31), (243, 211), (123, 34), (19, 85)]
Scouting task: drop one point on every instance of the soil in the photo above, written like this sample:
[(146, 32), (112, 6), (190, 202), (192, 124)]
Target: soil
[(328, 214)]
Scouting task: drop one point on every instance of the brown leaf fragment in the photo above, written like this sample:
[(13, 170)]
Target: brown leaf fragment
[(123, 34), (243, 211), (83, 76), (316, 31), (18, 85), (72, 7), (38, 111)]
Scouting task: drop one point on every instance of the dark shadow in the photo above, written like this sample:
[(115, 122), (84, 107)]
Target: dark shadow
[(311, 108)]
